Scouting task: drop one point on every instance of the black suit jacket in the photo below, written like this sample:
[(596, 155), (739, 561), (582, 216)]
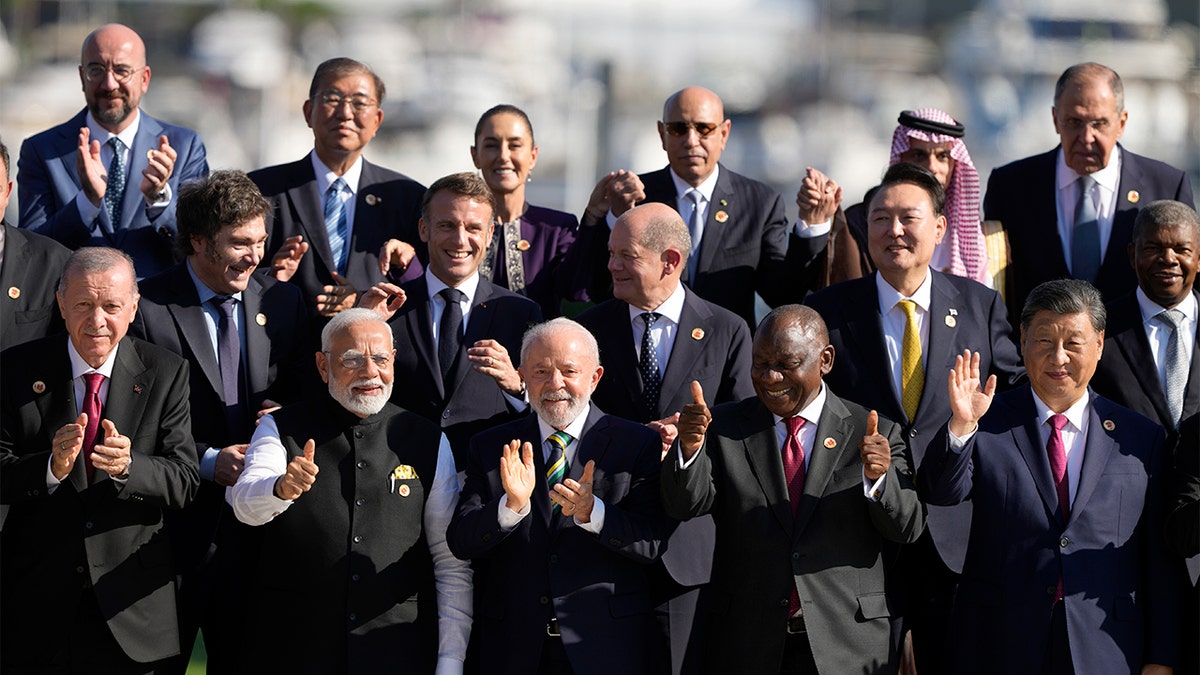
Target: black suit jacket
[(596, 585), (387, 206), (1022, 196), (831, 552), (851, 312), (475, 402), (28, 279), (102, 538)]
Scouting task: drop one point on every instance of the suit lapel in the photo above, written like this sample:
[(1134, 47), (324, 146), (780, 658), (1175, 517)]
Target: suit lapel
[(619, 355), (189, 316), (723, 201), (1123, 214), (943, 299), (1029, 443), (479, 326), (685, 353), (127, 394), (145, 140), (1097, 450), (865, 339), (1131, 340), (419, 323), (15, 253), (763, 454), (825, 460), (1044, 205), (258, 343), (310, 212), (57, 406)]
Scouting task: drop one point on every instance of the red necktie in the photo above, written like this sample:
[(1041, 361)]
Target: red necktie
[(1058, 469), (91, 407), (793, 473)]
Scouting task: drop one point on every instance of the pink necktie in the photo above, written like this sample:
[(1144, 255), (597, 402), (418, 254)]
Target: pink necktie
[(794, 473), (1058, 469), (91, 407)]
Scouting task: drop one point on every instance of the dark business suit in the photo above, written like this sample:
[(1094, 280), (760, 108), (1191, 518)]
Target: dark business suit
[(1183, 534), (547, 567), (48, 183), (831, 552), (547, 236), (1022, 196), (712, 346), (277, 365), (387, 205), (28, 279), (475, 402), (1120, 589), (100, 545)]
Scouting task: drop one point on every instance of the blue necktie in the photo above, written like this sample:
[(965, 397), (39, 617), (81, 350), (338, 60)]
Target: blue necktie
[(1175, 374), (556, 466), (336, 224), (696, 229), (114, 192), (1085, 235)]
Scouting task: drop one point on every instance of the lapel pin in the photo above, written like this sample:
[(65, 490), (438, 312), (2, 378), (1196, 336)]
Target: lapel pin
[(830, 443), (260, 319), (722, 216), (697, 333), (405, 490), (14, 292), (1133, 196), (953, 312), (724, 203), (950, 321), (1109, 425), (523, 245), (372, 200), (39, 387), (137, 388)]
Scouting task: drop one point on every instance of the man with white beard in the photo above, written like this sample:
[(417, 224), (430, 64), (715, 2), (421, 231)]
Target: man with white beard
[(354, 501)]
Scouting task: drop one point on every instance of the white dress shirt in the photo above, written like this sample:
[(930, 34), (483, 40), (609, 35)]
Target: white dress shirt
[(894, 322), (1066, 198), (325, 178), (1160, 337), (666, 327)]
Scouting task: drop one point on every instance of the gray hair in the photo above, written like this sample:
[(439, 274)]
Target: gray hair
[(661, 233), (562, 324), (1065, 296), (1082, 72), (94, 259), (1164, 213), (347, 318)]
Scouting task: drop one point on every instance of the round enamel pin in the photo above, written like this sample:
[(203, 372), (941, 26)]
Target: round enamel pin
[(260, 319), (14, 292), (721, 216), (523, 245), (830, 443), (404, 491), (1133, 196), (372, 200), (950, 321), (1109, 425), (697, 333), (39, 387)]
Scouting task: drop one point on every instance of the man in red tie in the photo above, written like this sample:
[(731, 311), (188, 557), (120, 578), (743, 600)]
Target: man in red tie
[(805, 488), (95, 442), (1066, 568)]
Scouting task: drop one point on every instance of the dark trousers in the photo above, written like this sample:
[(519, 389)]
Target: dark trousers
[(797, 656), (554, 658), (926, 590)]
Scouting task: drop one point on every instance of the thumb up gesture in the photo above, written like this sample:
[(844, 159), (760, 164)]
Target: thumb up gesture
[(693, 423), (300, 475)]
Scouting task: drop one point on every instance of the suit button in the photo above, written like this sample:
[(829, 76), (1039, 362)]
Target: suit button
[(353, 616), (357, 502), (88, 525), (79, 569), (487, 536), (362, 464), (358, 538), (784, 602), (1064, 542), (35, 493), (912, 433), (544, 600), (358, 434), (446, 414), (1052, 591), (353, 577), (795, 555), (614, 542)]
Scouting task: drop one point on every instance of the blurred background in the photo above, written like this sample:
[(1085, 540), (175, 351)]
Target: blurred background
[(806, 82)]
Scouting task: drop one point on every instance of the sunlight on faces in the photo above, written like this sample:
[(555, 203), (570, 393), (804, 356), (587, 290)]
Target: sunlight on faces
[(692, 156), (1061, 352), (1088, 124), (112, 102), (226, 263), (341, 131), (1165, 259), (458, 236), (366, 389), (933, 157), (560, 375), (787, 365), (639, 275), (902, 230), (97, 308), (504, 152)]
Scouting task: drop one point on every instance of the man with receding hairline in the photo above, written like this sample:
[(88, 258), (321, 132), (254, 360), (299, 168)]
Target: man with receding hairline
[(110, 175)]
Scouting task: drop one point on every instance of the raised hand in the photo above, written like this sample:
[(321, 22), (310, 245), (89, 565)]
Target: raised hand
[(625, 191), (668, 429), (693, 423), (968, 401), (112, 456), (384, 298), (575, 497), (335, 298), (300, 475), (67, 443), (818, 197), (93, 176), (287, 258), (517, 474), (491, 358), (874, 449), (395, 253), (160, 164), (230, 462)]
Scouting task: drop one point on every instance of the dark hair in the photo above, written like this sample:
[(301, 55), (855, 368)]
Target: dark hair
[(226, 198), (340, 67), (1080, 72), (904, 173), (1163, 213), (92, 259), (4, 156), (464, 184), (1065, 296), (502, 109)]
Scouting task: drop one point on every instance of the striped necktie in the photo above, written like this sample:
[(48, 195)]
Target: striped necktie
[(556, 466), (336, 224)]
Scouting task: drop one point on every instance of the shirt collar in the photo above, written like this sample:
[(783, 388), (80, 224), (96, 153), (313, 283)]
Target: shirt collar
[(326, 176), (705, 189), (203, 290), (1151, 309), (671, 308), (575, 428), (468, 286), (1108, 177), (811, 412), (888, 296), (1074, 414), (79, 367), (127, 135)]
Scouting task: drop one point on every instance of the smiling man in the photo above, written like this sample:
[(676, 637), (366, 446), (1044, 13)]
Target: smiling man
[(110, 175), (1069, 212), (244, 337)]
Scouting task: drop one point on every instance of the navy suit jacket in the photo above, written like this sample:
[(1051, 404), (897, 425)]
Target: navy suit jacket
[(831, 552), (48, 183), (103, 538), (475, 402), (860, 365), (387, 206), (1022, 196), (278, 364), (595, 585), (28, 280), (1120, 587)]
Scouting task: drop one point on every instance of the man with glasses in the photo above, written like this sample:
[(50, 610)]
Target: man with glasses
[(333, 210), (353, 496), (738, 226), (109, 176)]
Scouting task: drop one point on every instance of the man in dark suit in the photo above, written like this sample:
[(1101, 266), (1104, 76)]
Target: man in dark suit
[(109, 176), (30, 266), (740, 233), (799, 574), (1052, 232), (1067, 569), (1183, 532), (455, 330), (333, 210), (871, 333), (560, 536), (655, 337), (255, 356), (94, 446)]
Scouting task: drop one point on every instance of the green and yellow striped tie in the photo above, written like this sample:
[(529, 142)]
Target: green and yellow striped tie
[(556, 466)]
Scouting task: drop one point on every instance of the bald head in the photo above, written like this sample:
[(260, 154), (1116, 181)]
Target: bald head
[(647, 251), (114, 75), (694, 97), (804, 321), (693, 131)]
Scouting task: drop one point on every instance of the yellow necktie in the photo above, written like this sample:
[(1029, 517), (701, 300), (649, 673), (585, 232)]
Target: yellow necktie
[(912, 375)]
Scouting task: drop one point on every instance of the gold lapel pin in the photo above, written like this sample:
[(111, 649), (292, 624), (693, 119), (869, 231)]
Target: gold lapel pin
[(372, 200), (950, 321), (14, 292), (405, 490), (1109, 425), (39, 387), (830, 443), (523, 245), (721, 216), (1133, 196), (724, 203), (260, 319), (697, 333)]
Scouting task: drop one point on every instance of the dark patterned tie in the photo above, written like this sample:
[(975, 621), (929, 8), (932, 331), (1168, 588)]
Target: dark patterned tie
[(450, 333), (1175, 374), (556, 465), (229, 356), (114, 192), (91, 407), (648, 365)]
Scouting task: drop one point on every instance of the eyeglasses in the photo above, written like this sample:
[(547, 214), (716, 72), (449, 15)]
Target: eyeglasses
[(359, 103), (95, 72), (353, 360), (703, 129)]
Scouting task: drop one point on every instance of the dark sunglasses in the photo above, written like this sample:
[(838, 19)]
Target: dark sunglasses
[(703, 129)]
